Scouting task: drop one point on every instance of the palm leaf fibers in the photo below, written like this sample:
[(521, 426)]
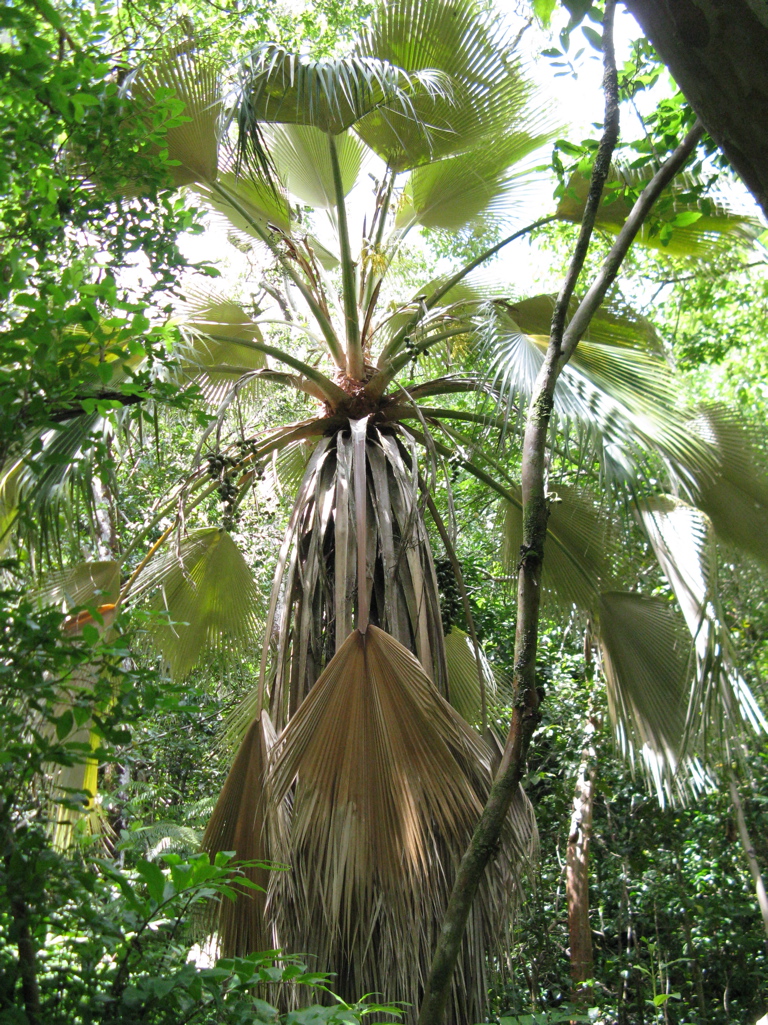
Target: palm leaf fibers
[(387, 783)]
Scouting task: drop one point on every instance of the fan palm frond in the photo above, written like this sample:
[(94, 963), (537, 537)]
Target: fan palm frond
[(467, 189), (264, 204), (302, 159), (192, 136), (209, 596), (246, 822), (733, 491), (329, 94), (623, 395), (211, 357), (648, 660), (463, 678), (577, 562), (488, 91), (684, 545), (87, 583)]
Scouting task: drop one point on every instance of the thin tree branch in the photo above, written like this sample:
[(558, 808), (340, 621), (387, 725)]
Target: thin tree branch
[(525, 716), (613, 261)]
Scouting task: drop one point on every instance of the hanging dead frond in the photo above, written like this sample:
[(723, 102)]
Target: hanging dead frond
[(387, 782), (245, 821)]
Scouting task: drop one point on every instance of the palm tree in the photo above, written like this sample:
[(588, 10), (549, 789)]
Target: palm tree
[(366, 754)]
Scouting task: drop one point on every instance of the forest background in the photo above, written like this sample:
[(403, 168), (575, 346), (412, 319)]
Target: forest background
[(675, 926)]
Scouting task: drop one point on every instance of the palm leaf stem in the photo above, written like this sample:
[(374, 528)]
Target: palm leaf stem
[(451, 553), (438, 413), (125, 591), (451, 386), (443, 289), (355, 363), (359, 431), (335, 349), (331, 392), (274, 376)]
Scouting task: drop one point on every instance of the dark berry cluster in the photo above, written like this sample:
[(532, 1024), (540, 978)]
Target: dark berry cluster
[(450, 596)]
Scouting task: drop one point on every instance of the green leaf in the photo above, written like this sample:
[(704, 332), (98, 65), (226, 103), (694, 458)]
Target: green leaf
[(543, 10), (594, 38), (153, 876)]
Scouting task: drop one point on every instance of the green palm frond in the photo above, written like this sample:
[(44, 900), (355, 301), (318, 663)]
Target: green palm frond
[(43, 486), (209, 596), (192, 139), (463, 678), (466, 45), (217, 363), (87, 583), (386, 775), (648, 660), (264, 205), (682, 224), (577, 557), (302, 160), (482, 186), (733, 492), (329, 94), (624, 396), (683, 542)]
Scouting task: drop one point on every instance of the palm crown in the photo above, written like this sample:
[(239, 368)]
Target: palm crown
[(356, 768)]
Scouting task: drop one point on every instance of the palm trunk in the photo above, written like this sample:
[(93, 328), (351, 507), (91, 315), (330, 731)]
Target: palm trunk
[(749, 851), (577, 869)]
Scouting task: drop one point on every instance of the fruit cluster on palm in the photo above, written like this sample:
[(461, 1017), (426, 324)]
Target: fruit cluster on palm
[(366, 754)]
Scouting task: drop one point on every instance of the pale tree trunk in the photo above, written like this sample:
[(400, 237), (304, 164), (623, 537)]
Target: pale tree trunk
[(577, 869), (749, 851), (525, 715)]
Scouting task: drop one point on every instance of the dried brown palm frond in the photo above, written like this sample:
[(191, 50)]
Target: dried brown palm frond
[(387, 782), (245, 821)]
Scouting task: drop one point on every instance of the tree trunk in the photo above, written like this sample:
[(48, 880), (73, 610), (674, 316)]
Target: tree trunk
[(577, 869), (749, 851), (717, 51)]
